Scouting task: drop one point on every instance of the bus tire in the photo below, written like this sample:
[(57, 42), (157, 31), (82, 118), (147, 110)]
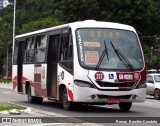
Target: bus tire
[(125, 106), (67, 105), (39, 100), (157, 94), (33, 99)]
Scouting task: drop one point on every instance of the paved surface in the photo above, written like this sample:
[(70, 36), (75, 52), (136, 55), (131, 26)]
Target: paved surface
[(32, 115), (48, 109)]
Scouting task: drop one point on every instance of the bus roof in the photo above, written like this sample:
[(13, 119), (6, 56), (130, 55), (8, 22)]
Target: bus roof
[(81, 24)]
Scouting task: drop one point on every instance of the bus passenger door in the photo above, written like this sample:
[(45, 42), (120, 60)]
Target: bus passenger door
[(20, 66), (52, 60)]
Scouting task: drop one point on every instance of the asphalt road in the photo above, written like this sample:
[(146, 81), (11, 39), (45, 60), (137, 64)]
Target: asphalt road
[(150, 108)]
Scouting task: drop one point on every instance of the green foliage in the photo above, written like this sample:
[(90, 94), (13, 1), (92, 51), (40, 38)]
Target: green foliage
[(32, 15), (39, 24), (7, 107), (5, 81), (143, 15)]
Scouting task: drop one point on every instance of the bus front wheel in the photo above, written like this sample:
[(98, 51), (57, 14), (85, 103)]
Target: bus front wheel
[(67, 105), (157, 94), (125, 106)]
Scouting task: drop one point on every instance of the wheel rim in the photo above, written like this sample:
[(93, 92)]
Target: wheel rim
[(157, 94)]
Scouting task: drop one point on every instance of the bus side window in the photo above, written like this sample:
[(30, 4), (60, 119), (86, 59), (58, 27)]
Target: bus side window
[(40, 49), (29, 50)]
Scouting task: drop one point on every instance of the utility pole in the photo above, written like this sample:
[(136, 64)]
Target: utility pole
[(7, 63), (14, 22)]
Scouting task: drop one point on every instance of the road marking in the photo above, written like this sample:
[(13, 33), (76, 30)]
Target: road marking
[(50, 124), (69, 124), (6, 92)]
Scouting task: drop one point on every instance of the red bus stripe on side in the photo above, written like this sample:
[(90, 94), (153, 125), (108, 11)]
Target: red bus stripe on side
[(39, 89), (70, 94)]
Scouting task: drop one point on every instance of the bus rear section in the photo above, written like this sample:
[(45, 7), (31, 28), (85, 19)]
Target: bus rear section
[(87, 62)]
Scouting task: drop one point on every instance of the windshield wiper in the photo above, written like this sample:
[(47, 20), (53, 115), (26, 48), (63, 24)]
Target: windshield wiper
[(122, 58), (105, 51)]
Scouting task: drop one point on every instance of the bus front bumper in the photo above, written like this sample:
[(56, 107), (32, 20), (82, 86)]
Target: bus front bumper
[(92, 95)]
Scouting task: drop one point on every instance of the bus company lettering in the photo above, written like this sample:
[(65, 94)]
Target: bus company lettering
[(37, 72), (80, 46), (128, 76), (43, 72), (125, 77), (99, 76)]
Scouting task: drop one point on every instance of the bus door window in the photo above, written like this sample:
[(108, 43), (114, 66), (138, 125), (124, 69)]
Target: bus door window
[(55, 47), (40, 49), (20, 65)]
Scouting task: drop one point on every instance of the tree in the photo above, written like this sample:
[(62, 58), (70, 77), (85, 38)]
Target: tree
[(143, 15), (37, 14), (30, 15), (39, 24)]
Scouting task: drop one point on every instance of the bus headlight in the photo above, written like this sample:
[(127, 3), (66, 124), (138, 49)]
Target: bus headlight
[(82, 83)]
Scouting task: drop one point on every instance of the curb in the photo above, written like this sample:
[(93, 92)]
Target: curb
[(5, 82), (61, 118), (37, 112), (40, 113), (6, 85)]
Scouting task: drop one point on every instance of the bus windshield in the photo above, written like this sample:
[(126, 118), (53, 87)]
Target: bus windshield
[(101, 47)]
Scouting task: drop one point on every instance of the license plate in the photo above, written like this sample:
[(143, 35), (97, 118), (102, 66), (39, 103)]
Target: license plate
[(113, 100)]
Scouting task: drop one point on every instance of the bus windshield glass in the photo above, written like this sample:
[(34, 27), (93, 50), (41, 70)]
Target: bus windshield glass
[(109, 49)]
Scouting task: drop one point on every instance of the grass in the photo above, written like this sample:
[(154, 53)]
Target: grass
[(5, 81), (7, 107)]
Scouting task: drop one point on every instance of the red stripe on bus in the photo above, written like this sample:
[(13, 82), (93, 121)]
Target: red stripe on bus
[(70, 94), (36, 86), (14, 82), (39, 89)]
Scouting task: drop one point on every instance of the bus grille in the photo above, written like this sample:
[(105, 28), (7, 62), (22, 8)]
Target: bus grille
[(108, 96), (109, 84)]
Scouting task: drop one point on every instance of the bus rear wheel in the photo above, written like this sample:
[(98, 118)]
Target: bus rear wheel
[(67, 105), (33, 99), (125, 106)]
